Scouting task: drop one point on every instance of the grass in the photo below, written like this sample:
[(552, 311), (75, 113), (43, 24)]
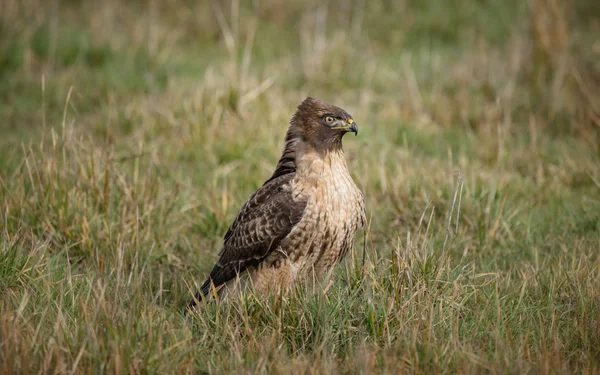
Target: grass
[(133, 132)]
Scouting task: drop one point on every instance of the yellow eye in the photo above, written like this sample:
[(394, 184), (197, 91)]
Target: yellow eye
[(329, 120)]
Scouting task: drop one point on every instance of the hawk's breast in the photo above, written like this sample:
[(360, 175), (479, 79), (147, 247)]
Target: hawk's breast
[(334, 212)]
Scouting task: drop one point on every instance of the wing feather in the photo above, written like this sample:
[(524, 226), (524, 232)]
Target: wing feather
[(263, 222)]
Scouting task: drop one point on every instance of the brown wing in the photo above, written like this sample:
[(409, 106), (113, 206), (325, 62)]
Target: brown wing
[(265, 219)]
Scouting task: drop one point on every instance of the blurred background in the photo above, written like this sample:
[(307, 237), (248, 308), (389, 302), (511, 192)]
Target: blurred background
[(136, 130), (197, 94), (461, 65)]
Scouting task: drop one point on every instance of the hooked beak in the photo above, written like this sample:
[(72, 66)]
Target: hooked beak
[(349, 127), (353, 127)]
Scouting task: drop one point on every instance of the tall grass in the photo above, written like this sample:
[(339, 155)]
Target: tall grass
[(134, 132)]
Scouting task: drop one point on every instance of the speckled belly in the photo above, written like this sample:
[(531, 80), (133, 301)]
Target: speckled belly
[(327, 231), (321, 239)]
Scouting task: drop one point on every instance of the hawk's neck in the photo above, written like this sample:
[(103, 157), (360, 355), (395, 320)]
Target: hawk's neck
[(297, 155), (311, 163)]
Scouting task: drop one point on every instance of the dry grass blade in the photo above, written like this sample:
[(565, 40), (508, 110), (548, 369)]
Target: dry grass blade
[(132, 133)]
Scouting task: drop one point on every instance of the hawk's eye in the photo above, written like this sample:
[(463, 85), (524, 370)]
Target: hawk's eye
[(328, 120)]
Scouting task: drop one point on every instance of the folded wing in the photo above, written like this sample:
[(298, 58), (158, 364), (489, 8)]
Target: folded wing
[(264, 221)]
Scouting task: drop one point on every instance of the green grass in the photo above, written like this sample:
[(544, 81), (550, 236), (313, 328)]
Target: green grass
[(133, 132)]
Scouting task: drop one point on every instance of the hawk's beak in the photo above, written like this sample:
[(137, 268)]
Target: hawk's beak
[(353, 127), (349, 127)]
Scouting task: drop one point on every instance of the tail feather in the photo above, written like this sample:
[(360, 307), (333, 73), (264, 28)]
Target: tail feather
[(201, 296)]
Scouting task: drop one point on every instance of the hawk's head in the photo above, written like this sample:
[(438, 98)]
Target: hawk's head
[(321, 124)]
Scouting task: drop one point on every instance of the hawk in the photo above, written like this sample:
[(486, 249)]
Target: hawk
[(303, 220)]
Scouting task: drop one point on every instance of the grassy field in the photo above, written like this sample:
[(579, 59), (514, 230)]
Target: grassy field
[(132, 133)]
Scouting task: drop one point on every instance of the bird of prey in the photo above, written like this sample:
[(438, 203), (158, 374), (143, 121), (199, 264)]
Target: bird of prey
[(303, 220)]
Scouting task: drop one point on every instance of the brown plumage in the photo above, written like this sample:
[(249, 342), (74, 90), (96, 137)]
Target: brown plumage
[(304, 218)]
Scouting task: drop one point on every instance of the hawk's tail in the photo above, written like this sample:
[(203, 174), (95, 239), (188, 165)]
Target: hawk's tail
[(200, 297)]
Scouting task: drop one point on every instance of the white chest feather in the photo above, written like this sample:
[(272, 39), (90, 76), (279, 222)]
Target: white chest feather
[(334, 211)]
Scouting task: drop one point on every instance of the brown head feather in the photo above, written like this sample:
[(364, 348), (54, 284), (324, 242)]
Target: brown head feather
[(307, 126)]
